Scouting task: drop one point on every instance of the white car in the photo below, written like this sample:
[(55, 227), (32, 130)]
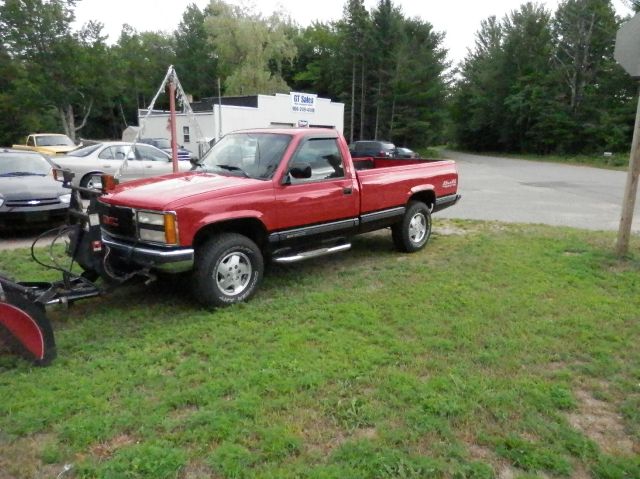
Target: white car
[(143, 161)]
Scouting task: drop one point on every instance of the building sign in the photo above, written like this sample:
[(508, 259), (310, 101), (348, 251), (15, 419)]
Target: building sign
[(303, 102)]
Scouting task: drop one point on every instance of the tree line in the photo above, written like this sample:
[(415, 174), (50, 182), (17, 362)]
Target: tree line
[(545, 82), (534, 81)]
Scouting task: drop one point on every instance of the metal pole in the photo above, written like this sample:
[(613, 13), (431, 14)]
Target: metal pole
[(630, 190), (219, 110), (172, 119)]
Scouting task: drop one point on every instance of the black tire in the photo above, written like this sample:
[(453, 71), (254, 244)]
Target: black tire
[(413, 232), (85, 183), (230, 260)]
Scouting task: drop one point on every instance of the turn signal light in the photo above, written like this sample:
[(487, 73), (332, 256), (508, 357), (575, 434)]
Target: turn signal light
[(170, 229), (108, 183)]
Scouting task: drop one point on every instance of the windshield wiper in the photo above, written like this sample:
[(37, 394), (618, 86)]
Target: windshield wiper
[(233, 168), (22, 173)]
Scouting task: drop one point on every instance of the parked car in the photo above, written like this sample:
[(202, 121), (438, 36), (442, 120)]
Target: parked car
[(402, 152), (143, 161), (283, 194), (48, 143), (165, 145), (374, 148), (28, 192)]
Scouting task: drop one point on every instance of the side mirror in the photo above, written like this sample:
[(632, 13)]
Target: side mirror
[(300, 171)]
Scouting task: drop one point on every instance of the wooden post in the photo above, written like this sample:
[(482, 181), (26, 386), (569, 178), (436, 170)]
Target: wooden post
[(172, 119), (630, 190)]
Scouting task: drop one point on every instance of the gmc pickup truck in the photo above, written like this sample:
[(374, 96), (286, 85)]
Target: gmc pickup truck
[(282, 195)]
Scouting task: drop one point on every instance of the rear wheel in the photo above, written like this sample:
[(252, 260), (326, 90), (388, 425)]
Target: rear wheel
[(228, 270), (413, 232)]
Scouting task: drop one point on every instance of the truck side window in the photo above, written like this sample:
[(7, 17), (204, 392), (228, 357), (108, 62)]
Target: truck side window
[(324, 158), (31, 141)]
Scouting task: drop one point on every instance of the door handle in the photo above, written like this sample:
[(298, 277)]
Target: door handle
[(148, 166), (347, 191)]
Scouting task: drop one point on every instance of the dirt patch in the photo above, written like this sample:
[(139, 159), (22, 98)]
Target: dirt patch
[(105, 450), (502, 469), (197, 470), (450, 230), (21, 459), (600, 422)]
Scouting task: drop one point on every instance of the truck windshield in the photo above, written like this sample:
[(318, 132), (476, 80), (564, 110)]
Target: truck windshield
[(254, 155), (54, 140)]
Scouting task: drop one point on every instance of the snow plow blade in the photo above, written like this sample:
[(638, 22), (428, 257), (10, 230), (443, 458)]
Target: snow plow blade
[(25, 329)]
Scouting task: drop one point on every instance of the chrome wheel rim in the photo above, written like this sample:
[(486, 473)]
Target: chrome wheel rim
[(91, 184), (418, 228), (233, 273)]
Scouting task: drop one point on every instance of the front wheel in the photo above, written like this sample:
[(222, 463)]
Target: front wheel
[(412, 233), (228, 270)]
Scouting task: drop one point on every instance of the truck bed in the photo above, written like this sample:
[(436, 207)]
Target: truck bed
[(387, 182)]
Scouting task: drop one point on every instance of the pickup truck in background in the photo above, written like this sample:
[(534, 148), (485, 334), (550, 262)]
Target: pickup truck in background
[(48, 143), (271, 194)]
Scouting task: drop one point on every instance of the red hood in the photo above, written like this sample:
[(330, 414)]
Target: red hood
[(159, 192)]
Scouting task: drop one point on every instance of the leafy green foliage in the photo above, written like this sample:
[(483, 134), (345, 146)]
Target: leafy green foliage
[(543, 83)]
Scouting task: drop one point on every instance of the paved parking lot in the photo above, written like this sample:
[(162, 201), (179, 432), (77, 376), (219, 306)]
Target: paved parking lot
[(513, 191), (538, 192)]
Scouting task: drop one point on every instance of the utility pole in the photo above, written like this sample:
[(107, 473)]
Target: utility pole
[(630, 190), (627, 55)]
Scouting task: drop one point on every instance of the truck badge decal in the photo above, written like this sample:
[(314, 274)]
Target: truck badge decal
[(110, 220), (449, 183)]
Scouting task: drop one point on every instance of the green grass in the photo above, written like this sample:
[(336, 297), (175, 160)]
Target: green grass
[(465, 360)]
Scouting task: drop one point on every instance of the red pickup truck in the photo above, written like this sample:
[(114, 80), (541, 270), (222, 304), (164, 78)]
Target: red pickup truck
[(278, 194)]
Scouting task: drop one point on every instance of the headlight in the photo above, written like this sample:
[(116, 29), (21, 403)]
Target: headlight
[(148, 218), (65, 199), (157, 227)]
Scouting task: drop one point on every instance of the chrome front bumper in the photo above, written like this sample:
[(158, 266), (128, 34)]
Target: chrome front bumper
[(169, 259)]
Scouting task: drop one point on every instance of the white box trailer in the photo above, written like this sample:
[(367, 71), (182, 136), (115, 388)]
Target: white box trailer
[(211, 120)]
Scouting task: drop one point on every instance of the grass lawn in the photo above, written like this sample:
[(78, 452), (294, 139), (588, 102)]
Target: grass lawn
[(497, 352)]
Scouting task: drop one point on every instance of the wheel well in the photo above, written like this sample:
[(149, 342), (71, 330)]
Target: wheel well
[(89, 175), (250, 227), (427, 197)]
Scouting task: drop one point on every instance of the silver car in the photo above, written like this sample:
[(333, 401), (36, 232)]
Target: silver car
[(143, 161)]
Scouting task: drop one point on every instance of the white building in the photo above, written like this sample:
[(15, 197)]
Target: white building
[(210, 121)]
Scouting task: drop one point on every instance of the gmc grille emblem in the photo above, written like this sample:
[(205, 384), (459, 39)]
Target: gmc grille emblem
[(110, 220)]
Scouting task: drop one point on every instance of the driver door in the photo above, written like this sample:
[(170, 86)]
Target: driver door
[(326, 200)]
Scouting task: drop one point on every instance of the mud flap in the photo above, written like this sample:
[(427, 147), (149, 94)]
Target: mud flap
[(25, 329)]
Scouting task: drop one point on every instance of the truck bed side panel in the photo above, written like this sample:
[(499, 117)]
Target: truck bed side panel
[(387, 187)]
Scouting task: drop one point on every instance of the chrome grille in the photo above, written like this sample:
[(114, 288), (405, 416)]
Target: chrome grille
[(32, 202)]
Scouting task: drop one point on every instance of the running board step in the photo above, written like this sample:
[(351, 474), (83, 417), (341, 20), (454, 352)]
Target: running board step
[(312, 254)]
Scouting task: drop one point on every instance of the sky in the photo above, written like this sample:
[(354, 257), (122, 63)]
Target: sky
[(459, 19)]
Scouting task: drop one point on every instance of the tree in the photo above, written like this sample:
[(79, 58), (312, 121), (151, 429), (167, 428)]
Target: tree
[(249, 47), (386, 33), (356, 25), (38, 36), (196, 58)]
